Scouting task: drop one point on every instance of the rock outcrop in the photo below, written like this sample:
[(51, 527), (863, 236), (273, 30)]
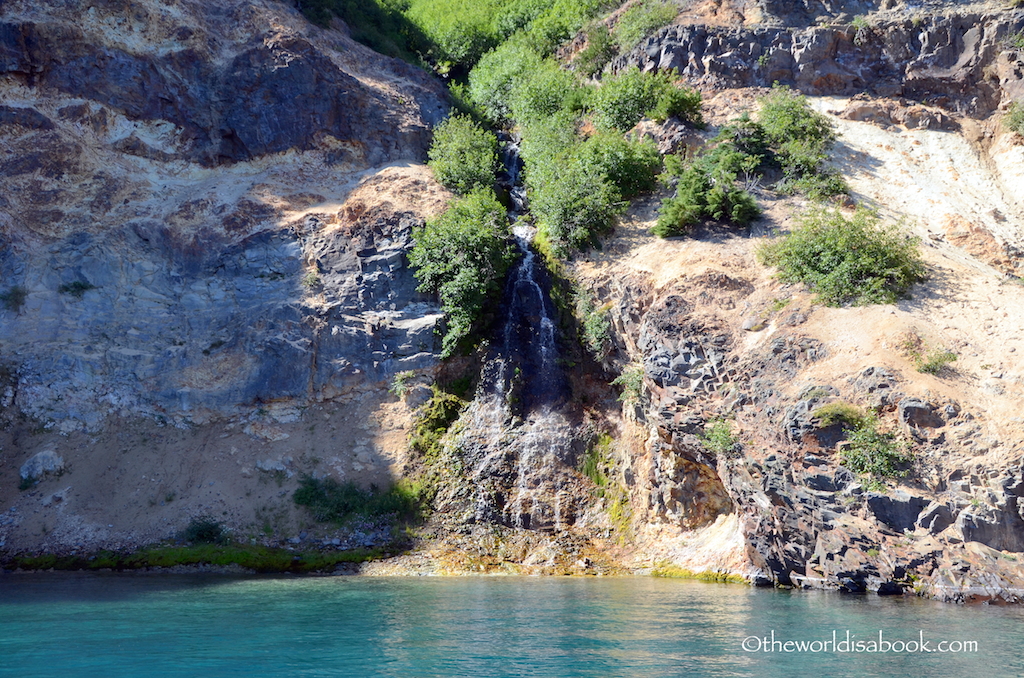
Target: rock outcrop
[(179, 224), (961, 62)]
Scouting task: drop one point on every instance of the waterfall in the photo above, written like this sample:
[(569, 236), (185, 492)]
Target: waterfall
[(517, 441)]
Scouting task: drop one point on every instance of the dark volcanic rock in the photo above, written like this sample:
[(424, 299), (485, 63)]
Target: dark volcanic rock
[(951, 58), (899, 511)]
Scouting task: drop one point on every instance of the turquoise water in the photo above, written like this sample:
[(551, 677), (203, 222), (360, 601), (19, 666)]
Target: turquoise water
[(82, 625)]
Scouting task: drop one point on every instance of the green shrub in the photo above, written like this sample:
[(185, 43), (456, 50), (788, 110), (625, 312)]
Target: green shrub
[(518, 15), (400, 384), (463, 255), (850, 416), (498, 72), (576, 205), (631, 165), (621, 102), (434, 420), (875, 453), (936, 361), (1014, 119), (632, 382), (595, 326), (14, 298), (595, 463), (377, 24), (458, 34), (799, 139), (1016, 41), (562, 20), (204, 530), (675, 102), (599, 51), (643, 19), (463, 155), (330, 501), (846, 261), (542, 92), (718, 437), (707, 189)]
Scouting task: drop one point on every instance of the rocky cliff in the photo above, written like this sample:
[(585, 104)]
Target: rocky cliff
[(203, 229)]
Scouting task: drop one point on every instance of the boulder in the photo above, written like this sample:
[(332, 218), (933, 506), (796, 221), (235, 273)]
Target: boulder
[(899, 511), (41, 464)]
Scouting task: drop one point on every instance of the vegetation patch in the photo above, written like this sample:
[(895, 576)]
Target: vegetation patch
[(632, 382), (594, 323), (261, 559), (621, 102), (463, 155), (76, 289), (330, 501), (669, 571), (1014, 119), (643, 19), (204, 530), (463, 255), (596, 463), (718, 437), (926, 361), (847, 261), (840, 413), (875, 453), (14, 298)]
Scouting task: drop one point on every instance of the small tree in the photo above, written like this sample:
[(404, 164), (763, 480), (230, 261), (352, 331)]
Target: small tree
[(463, 155), (463, 255)]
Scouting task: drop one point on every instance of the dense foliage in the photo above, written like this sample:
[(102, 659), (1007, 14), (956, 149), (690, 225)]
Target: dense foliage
[(854, 260), (463, 155), (463, 255), (621, 102)]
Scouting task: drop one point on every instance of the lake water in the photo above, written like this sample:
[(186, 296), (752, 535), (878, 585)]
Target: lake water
[(109, 625)]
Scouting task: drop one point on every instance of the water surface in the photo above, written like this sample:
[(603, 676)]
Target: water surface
[(81, 625)]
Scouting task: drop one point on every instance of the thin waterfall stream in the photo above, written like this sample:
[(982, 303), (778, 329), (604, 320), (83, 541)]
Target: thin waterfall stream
[(517, 442)]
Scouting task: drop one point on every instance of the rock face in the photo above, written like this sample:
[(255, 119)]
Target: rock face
[(163, 264), (958, 61)]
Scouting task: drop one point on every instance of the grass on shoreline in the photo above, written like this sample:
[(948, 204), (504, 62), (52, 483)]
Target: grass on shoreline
[(260, 559)]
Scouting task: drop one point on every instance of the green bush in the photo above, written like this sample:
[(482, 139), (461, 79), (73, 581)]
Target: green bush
[(76, 289), (330, 501), (204, 530), (458, 34), (875, 453), (682, 103), (643, 19), (576, 205), (518, 15), (850, 416), (719, 438), (631, 165), (595, 326), (599, 51), (1014, 119), (498, 72), (463, 255), (799, 139), (621, 102), (936, 362), (378, 24), (632, 382), (542, 92), (463, 155), (562, 20), (706, 189), (852, 260)]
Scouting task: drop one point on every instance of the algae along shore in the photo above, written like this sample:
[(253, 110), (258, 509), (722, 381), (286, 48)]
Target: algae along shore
[(727, 291)]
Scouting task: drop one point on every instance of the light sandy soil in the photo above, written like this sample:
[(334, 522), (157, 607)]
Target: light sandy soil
[(929, 180)]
